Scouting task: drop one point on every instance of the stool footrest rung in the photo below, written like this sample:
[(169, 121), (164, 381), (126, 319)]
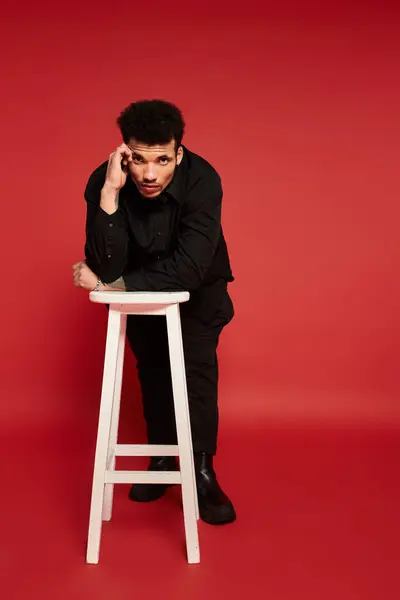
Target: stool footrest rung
[(145, 450), (143, 477)]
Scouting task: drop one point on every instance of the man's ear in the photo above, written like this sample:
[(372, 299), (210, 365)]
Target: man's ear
[(179, 155)]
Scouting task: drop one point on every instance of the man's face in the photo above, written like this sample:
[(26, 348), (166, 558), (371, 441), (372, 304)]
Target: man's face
[(152, 167)]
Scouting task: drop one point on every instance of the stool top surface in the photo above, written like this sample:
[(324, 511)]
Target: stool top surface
[(153, 298)]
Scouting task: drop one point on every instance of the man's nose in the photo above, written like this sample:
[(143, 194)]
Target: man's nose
[(149, 173)]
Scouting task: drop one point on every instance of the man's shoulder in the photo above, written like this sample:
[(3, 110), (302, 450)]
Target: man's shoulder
[(97, 178), (199, 167)]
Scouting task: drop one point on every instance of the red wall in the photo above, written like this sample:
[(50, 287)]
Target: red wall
[(298, 109)]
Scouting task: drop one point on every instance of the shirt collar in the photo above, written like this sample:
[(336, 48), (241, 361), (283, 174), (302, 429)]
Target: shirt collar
[(174, 189)]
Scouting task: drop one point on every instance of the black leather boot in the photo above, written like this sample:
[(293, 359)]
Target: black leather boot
[(214, 506), (147, 492)]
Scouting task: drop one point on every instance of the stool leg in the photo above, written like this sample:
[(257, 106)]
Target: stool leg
[(103, 435), (109, 487), (188, 482), (189, 427)]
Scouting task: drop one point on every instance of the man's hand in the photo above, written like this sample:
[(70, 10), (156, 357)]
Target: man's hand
[(83, 276), (117, 168), (116, 175), (86, 279)]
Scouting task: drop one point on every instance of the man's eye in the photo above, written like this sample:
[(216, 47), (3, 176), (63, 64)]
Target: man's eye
[(136, 159), (164, 161)]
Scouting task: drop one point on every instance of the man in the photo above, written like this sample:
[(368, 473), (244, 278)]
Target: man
[(154, 223)]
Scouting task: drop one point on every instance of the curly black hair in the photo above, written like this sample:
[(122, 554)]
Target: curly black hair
[(152, 122)]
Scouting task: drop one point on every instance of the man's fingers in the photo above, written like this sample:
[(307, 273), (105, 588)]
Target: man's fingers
[(127, 154), (119, 151), (127, 157), (122, 152), (78, 270)]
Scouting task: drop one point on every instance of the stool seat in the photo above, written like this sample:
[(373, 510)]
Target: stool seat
[(139, 297), (105, 475)]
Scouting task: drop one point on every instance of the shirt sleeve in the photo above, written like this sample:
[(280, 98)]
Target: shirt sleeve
[(199, 232), (106, 247)]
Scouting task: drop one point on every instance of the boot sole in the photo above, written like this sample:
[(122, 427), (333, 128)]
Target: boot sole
[(225, 517)]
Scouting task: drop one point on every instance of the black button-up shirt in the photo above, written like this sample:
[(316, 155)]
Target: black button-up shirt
[(173, 242)]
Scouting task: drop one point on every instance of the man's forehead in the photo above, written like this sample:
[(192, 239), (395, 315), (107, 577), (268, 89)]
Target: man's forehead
[(153, 149)]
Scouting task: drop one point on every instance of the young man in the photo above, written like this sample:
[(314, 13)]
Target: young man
[(154, 223)]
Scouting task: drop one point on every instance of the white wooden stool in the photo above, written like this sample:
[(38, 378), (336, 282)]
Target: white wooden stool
[(107, 448)]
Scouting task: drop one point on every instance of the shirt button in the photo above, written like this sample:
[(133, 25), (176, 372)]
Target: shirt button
[(158, 232), (108, 255), (111, 224)]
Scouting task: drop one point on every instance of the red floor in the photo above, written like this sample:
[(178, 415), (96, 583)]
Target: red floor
[(318, 519)]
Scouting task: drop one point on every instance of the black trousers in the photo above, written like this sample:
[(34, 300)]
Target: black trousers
[(203, 319)]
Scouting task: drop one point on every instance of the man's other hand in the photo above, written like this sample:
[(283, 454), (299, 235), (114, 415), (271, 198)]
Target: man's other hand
[(83, 276)]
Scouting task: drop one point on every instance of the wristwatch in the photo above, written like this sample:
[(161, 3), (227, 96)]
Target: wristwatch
[(97, 286)]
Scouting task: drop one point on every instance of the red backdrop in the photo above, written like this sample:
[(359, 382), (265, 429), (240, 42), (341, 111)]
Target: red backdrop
[(298, 111)]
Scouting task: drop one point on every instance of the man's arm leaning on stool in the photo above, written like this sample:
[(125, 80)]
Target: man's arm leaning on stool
[(107, 237), (103, 220)]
